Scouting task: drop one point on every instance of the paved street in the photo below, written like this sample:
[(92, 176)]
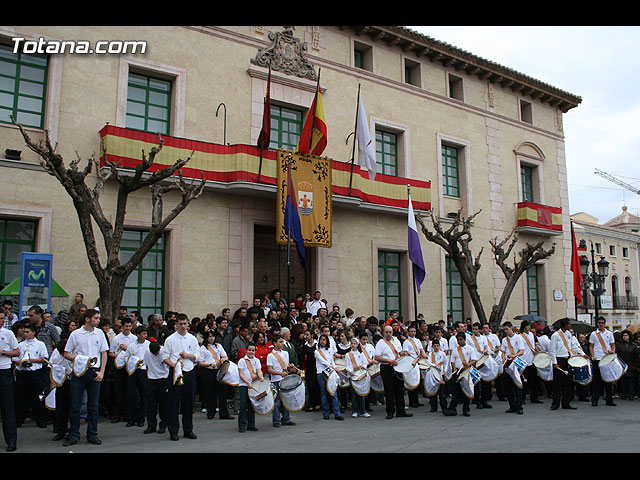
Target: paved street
[(602, 429)]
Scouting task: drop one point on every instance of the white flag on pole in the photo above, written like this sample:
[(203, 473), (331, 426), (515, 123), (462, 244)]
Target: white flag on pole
[(366, 150)]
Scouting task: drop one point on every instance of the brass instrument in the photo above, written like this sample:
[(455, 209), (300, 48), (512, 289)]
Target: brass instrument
[(26, 363), (177, 376)]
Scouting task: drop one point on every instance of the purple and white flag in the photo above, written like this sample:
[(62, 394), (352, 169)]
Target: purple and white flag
[(415, 252)]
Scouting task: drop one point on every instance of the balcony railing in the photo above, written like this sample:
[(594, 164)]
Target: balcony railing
[(539, 219), (629, 302)]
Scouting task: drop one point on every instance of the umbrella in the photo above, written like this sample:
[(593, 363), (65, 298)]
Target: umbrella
[(577, 326), (634, 327), (531, 317)]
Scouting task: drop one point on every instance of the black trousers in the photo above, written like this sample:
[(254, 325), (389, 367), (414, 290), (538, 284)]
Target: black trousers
[(457, 395), (180, 400), (120, 393), (439, 398), (393, 390), (7, 410), (214, 393), (63, 407), (562, 384), (533, 386), (512, 392), (156, 402), (136, 394), (28, 388), (482, 393), (598, 385)]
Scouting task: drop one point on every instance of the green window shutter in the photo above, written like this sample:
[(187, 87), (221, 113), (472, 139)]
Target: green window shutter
[(16, 236), (389, 284), (450, 171), (387, 153), (148, 104)]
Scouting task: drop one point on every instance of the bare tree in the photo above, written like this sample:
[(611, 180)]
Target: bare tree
[(112, 275), (455, 238)]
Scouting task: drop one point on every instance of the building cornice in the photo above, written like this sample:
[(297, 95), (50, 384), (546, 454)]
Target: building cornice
[(423, 46)]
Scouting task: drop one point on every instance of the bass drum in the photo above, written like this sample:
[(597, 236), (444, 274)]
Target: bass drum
[(544, 366), (361, 382), (432, 382), (261, 398), (488, 368), (612, 368)]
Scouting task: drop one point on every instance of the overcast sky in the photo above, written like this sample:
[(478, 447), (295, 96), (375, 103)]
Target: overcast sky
[(599, 64)]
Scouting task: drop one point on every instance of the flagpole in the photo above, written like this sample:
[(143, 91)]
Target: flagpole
[(289, 233), (313, 119), (413, 271), (262, 143), (353, 151)]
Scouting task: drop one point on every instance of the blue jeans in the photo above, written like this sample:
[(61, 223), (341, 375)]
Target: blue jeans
[(329, 403), (280, 414), (78, 387), (357, 403)]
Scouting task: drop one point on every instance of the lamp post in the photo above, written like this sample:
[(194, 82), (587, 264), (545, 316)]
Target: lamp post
[(594, 279)]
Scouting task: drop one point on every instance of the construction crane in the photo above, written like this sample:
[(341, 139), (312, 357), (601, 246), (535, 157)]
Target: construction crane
[(617, 181)]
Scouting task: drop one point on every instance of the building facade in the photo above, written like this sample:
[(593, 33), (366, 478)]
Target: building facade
[(472, 134), (617, 242)]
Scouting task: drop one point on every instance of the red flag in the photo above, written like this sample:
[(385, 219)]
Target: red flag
[(265, 134), (575, 267), (313, 138)]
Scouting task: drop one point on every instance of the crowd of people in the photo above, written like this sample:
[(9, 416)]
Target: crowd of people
[(157, 371)]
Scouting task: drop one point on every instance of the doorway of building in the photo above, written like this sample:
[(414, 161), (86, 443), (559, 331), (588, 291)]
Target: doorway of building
[(270, 265)]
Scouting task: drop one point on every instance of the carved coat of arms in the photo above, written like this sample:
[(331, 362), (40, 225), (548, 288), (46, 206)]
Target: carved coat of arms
[(286, 54)]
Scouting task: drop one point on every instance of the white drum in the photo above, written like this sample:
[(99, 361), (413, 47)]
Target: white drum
[(261, 398), (374, 370), (377, 384), (133, 363), (121, 359), (292, 392), (332, 380), (228, 373), (82, 363), (432, 381), (57, 375), (412, 378), (488, 368), (544, 366), (515, 369), (361, 382), (50, 400), (405, 364), (424, 364), (612, 368), (468, 379)]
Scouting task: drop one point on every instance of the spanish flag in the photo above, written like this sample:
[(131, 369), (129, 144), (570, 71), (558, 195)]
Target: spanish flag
[(313, 138)]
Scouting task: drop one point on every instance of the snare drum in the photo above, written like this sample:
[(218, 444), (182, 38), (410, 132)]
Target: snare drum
[(292, 392), (261, 398), (580, 369), (374, 370), (468, 379), (612, 368), (332, 380), (432, 381), (488, 368), (424, 364), (411, 377), (405, 364), (544, 366), (228, 373), (361, 382), (515, 369)]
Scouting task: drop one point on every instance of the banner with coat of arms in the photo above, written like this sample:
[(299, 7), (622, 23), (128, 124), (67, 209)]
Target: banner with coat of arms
[(311, 179)]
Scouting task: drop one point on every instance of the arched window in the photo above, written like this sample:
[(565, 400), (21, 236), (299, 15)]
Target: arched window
[(530, 158)]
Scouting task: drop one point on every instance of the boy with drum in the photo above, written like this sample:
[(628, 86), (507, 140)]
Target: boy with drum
[(249, 369)]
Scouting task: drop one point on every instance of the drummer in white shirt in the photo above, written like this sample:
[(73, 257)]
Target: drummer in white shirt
[(438, 359), (437, 336), (368, 351), (157, 385), (462, 357), (561, 348), (512, 346), (137, 381), (249, 369), (119, 344), (530, 372), (356, 360), (388, 351), (277, 366), (601, 343), (414, 346), (480, 343), (325, 362)]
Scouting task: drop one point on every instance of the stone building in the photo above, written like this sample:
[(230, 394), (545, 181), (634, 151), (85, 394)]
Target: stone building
[(470, 134)]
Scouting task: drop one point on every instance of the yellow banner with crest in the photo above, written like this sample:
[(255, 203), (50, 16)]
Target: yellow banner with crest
[(312, 189)]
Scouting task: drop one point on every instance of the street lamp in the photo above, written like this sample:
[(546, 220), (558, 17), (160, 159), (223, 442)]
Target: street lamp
[(595, 279)]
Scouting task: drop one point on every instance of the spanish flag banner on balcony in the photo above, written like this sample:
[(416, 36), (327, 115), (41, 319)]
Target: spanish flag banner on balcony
[(539, 216), (311, 178), (226, 164)]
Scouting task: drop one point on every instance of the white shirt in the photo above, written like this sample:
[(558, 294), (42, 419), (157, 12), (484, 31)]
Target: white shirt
[(468, 352), (383, 350), (408, 345), (35, 349), (176, 343), (314, 305), (58, 359), (324, 359), (120, 339), (493, 341), (8, 342), (89, 343), (516, 341), (481, 341), (138, 349), (557, 348), (207, 357), (275, 364), (439, 359), (156, 368), (360, 359), (545, 343), (607, 339), (371, 351), (528, 354), (243, 368)]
